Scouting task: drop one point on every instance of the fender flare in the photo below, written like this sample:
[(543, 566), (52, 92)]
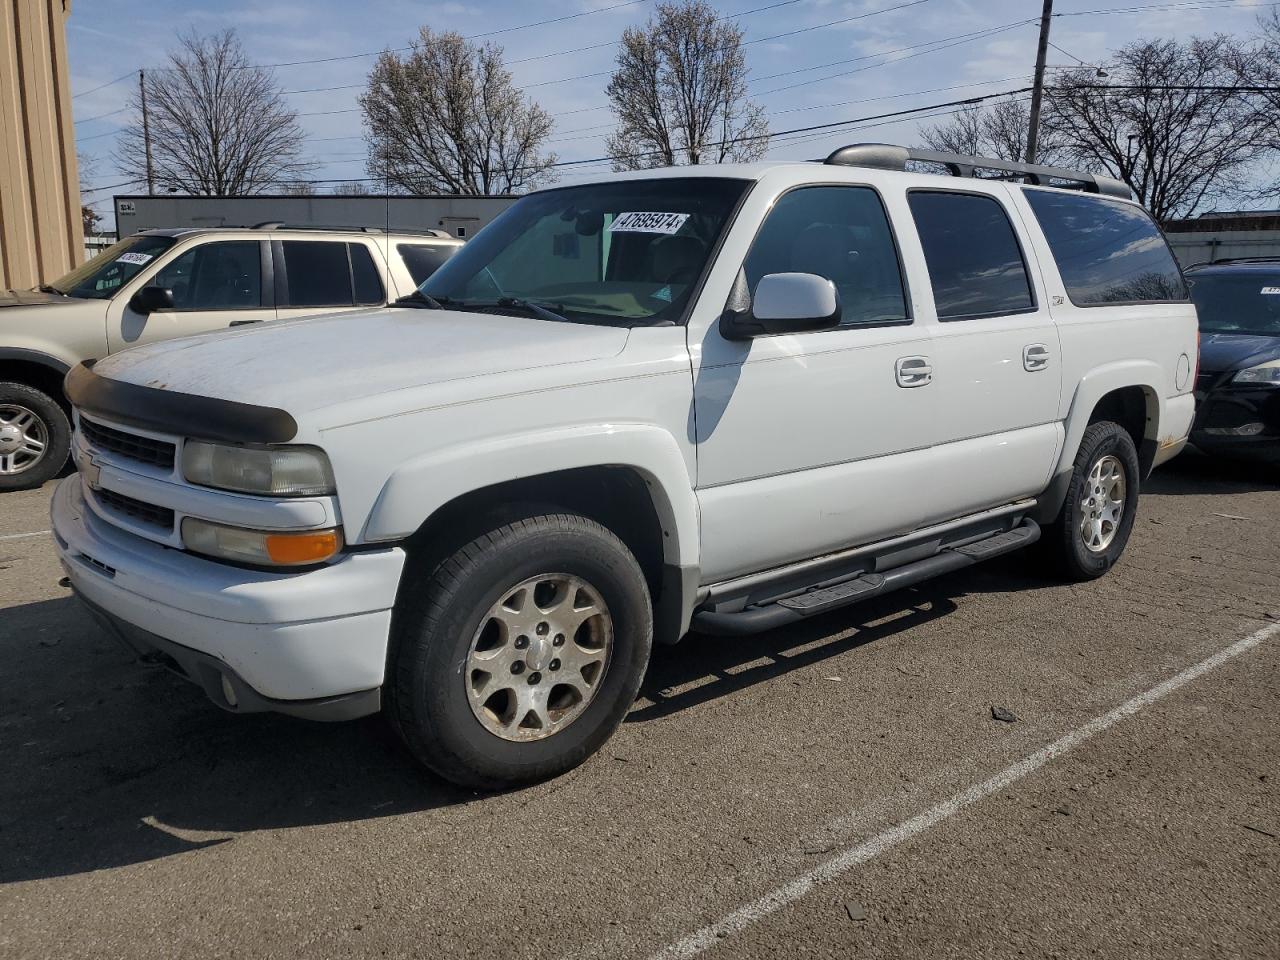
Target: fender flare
[(1093, 386), (59, 367), (422, 486)]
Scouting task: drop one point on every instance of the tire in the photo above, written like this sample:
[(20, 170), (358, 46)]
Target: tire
[(1082, 544), (453, 690), (29, 416)]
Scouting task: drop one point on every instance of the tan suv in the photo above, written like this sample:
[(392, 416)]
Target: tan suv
[(161, 284)]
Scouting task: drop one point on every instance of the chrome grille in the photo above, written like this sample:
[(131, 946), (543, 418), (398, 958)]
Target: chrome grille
[(148, 513), (131, 446)]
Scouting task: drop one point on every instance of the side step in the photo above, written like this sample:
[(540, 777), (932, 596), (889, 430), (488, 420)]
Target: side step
[(822, 599)]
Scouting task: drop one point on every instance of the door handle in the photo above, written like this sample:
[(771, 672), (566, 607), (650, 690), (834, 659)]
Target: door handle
[(913, 371), (1035, 356)]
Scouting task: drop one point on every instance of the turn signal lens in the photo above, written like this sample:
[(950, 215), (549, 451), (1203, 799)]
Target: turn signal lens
[(288, 548), (260, 547)]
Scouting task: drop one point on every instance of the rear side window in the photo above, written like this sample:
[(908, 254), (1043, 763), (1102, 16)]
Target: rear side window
[(975, 263), (422, 259), (330, 274), (1107, 251), (364, 275)]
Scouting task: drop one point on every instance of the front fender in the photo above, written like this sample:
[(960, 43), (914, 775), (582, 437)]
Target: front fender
[(421, 486)]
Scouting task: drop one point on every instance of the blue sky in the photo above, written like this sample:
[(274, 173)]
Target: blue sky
[(895, 59)]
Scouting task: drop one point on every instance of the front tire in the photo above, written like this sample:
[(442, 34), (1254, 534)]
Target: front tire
[(35, 437), (517, 657), (1102, 501)]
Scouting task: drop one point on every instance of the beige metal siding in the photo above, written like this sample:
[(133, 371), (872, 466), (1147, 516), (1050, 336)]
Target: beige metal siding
[(41, 233)]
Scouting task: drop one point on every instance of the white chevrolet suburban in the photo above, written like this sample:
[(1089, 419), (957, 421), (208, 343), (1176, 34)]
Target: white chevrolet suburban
[(719, 398), (162, 284)]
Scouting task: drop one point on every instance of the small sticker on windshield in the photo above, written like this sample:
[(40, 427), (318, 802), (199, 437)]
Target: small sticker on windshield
[(667, 223), (138, 258), (663, 294), (1271, 291)]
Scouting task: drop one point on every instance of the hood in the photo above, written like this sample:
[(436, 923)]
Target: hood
[(32, 298), (310, 363), (1220, 352)]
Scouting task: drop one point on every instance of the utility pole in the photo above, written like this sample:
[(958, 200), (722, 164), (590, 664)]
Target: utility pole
[(1037, 89), (146, 133)]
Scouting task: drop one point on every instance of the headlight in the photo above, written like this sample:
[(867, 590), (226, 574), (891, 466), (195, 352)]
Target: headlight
[(269, 471), (261, 547), (1263, 373)]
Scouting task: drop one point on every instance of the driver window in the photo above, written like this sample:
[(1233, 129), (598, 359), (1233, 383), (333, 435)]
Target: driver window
[(842, 234), (215, 276)]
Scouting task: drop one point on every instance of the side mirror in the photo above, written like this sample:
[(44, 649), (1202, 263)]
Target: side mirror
[(150, 299), (786, 303)]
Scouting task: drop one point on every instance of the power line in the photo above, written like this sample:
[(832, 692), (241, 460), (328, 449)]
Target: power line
[(860, 16), (103, 86), (102, 116)]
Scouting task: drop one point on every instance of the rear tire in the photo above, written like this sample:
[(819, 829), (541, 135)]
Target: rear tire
[(518, 656), (1097, 517), (35, 437)]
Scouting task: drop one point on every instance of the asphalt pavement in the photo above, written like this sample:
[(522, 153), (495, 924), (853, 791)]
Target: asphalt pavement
[(838, 789)]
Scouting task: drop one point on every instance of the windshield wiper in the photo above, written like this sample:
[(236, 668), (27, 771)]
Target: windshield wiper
[(537, 309), (419, 300), (49, 288)]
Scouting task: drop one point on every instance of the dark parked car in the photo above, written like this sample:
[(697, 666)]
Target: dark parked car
[(1238, 389)]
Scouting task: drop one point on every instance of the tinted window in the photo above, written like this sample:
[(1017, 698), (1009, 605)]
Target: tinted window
[(1245, 301), (319, 275), (422, 259), (975, 264), (1107, 251), (368, 284), (215, 276), (841, 233)]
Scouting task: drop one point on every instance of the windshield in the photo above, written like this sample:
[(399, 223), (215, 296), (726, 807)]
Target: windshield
[(101, 277), (629, 253), (1245, 302)]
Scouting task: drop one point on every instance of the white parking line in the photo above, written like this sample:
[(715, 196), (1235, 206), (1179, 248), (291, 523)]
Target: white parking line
[(26, 536), (789, 893)]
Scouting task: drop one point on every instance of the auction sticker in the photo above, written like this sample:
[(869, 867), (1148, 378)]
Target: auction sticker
[(1272, 291), (138, 258), (667, 223)]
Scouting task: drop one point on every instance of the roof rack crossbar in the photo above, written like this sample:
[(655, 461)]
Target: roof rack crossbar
[(888, 156)]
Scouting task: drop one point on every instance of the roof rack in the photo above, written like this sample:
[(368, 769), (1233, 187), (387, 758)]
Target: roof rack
[(418, 231), (888, 156)]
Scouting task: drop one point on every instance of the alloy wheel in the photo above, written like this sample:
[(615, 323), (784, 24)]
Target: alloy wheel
[(538, 657)]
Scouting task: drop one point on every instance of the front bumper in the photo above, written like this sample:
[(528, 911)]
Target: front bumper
[(1239, 421), (290, 642)]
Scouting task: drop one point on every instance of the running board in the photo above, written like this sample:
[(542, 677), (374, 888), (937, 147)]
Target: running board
[(823, 599)]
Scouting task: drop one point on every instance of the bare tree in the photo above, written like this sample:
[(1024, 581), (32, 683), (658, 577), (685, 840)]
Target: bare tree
[(680, 92), (997, 130), (298, 188), (353, 188), (1171, 122), (218, 124), (446, 118), (1257, 65)]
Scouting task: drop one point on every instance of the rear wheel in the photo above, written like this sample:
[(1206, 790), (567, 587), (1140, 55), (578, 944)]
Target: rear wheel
[(1091, 531), (518, 656), (35, 437)]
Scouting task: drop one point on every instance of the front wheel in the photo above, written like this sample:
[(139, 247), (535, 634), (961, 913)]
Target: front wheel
[(518, 656), (1102, 500), (35, 437)]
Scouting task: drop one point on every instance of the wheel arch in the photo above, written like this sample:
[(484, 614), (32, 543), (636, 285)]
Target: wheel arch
[(40, 370), (1126, 393), (631, 479)]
